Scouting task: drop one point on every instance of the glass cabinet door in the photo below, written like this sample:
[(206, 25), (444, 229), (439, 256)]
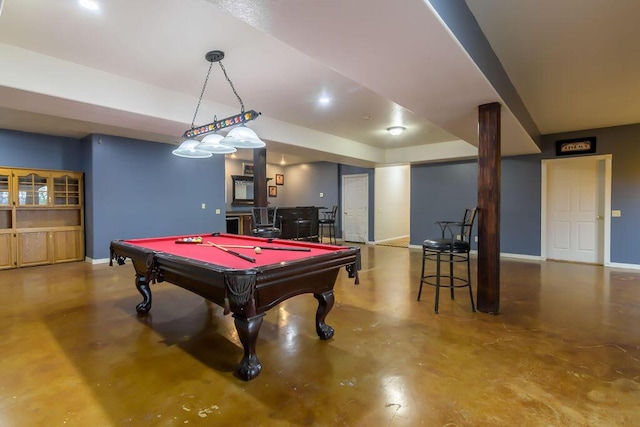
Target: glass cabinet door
[(33, 190), (5, 186), (66, 190)]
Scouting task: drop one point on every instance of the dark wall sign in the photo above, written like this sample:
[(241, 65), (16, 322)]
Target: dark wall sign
[(569, 147)]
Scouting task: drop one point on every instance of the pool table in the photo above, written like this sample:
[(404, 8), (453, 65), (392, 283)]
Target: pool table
[(227, 270)]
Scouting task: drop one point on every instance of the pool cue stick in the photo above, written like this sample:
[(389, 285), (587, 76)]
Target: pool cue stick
[(273, 248), (276, 248), (239, 255)]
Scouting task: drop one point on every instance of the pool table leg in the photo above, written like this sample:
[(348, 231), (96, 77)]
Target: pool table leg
[(249, 366), (142, 284), (325, 303)]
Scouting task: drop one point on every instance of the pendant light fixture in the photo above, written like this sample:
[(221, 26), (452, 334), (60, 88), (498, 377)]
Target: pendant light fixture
[(188, 149), (240, 136), (211, 144)]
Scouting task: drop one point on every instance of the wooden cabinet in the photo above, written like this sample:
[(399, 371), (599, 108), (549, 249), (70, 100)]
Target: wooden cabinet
[(68, 245), (5, 188), (33, 248), (41, 217), (32, 189), (66, 189), (6, 250)]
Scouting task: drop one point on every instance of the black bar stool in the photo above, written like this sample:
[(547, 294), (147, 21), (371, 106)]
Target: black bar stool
[(264, 222), (302, 226), (451, 250), (329, 221)]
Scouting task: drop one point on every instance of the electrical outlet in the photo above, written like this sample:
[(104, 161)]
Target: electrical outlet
[(321, 194), (616, 213), (476, 238), (204, 206), (217, 211)]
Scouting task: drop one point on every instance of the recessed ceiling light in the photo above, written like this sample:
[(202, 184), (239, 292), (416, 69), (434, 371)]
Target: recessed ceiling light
[(396, 130), (324, 100), (89, 4)]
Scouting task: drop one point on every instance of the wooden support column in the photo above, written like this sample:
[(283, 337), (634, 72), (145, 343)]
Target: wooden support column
[(489, 208), (260, 177)]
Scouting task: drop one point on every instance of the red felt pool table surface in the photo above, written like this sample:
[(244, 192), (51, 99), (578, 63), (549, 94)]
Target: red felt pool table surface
[(211, 254)]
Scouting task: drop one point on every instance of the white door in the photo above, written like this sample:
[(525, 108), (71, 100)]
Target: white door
[(575, 210), (355, 201)]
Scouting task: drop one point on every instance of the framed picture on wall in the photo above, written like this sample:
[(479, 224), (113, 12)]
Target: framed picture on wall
[(273, 191), (279, 179), (247, 169)]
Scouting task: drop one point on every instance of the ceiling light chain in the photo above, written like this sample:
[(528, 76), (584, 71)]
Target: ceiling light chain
[(232, 86), (193, 121)]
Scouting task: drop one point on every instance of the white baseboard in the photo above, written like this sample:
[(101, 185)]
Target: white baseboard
[(622, 265), (502, 254)]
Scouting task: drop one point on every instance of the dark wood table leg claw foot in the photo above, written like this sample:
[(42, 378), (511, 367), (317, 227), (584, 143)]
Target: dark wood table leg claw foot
[(143, 287), (325, 303), (249, 367), (248, 329)]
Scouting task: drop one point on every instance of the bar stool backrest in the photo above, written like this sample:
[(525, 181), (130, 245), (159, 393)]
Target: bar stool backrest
[(467, 224), (264, 217)]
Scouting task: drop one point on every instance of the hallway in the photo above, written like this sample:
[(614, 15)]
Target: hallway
[(564, 351)]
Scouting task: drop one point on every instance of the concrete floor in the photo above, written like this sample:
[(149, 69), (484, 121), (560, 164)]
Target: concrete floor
[(563, 351)]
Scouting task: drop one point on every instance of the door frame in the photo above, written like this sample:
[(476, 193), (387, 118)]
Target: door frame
[(606, 238), (342, 215)]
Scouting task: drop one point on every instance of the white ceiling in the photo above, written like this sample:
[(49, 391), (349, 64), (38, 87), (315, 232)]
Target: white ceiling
[(136, 69)]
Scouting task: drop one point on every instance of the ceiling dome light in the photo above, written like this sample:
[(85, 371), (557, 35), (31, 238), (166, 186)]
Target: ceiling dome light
[(242, 137), (188, 149), (211, 144), (89, 4), (396, 130)]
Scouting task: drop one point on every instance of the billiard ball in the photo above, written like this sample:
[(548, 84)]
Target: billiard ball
[(257, 249)]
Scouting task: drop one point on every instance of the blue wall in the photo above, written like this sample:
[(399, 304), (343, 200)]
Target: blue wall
[(34, 151), (141, 190), (133, 188), (441, 191), (520, 206)]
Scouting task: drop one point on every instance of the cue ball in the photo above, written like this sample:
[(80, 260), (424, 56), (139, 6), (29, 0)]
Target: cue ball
[(257, 249)]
